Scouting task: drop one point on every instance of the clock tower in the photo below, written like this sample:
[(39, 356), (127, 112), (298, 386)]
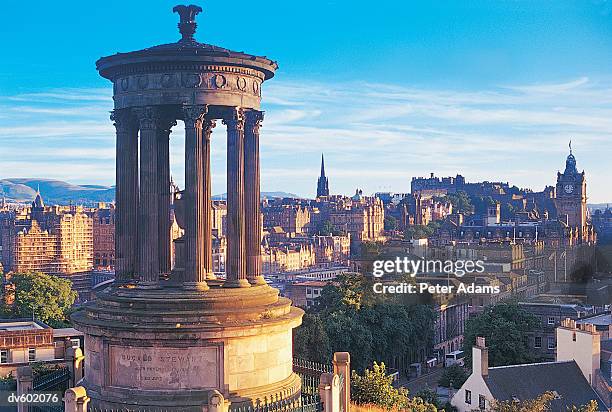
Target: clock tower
[(571, 199)]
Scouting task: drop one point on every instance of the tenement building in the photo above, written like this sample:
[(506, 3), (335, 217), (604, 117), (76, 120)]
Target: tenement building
[(360, 216), (104, 237), (173, 338), (53, 240)]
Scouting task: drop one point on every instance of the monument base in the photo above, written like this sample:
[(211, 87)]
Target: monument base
[(170, 348)]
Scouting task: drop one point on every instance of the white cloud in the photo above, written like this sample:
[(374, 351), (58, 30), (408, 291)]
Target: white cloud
[(375, 136)]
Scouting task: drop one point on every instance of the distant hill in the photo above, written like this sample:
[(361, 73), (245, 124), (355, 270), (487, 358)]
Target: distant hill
[(55, 191)]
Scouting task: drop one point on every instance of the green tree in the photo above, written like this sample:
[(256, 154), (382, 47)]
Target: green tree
[(540, 404), (390, 223), (376, 387), (504, 326), (481, 203), (461, 202), (47, 298), (454, 376), (311, 341), (369, 326), (326, 228), (590, 407), (421, 231)]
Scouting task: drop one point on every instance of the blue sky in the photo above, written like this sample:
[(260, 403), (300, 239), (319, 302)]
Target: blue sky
[(387, 90)]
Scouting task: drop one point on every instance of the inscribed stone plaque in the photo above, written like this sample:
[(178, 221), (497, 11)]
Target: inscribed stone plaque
[(164, 368)]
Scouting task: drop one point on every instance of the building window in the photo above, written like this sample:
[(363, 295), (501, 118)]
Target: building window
[(316, 291), (538, 342), (551, 320), (31, 354), (75, 342), (3, 356), (308, 291), (468, 397), (551, 343), (482, 403)]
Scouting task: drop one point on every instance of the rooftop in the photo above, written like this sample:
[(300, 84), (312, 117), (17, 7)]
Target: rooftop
[(532, 380), (21, 324)]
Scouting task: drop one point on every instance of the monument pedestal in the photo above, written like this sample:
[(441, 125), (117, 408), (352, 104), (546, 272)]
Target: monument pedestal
[(171, 348)]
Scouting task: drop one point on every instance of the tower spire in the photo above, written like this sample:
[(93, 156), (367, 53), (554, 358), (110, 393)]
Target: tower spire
[(322, 183), (322, 166), (570, 146)]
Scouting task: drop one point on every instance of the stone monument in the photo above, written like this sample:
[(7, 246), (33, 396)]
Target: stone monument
[(163, 337)]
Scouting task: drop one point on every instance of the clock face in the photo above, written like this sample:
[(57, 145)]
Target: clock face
[(568, 188)]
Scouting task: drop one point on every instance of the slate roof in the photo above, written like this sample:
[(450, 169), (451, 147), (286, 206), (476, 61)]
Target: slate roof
[(531, 380)]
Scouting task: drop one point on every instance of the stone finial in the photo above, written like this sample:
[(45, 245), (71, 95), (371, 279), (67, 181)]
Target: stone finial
[(187, 25)]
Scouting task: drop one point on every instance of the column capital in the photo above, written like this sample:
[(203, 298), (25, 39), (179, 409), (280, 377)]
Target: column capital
[(253, 119), (123, 120), (193, 114), (234, 118), (207, 126), (149, 117)]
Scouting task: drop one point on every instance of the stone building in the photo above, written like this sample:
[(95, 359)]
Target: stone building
[(53, 240), (571, 200), (288, 258), (332, 249), (219, 217), (24, 341), (361, 216), (292, 218), (104, 237), (569, 378)]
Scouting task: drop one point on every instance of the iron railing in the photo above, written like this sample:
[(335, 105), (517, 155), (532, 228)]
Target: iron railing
[(310, 373)]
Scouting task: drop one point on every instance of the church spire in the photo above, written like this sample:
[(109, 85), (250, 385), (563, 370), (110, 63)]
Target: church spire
[(322, 183), (322, 166)]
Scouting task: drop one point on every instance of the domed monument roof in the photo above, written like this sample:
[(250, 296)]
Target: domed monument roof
[(187, 49), (186, 72)]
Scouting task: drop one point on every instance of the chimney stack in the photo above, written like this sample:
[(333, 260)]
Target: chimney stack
[(480, 357)]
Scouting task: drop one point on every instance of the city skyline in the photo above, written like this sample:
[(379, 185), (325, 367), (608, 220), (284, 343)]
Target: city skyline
[(402, 105)]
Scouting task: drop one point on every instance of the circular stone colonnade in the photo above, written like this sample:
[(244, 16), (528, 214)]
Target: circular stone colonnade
[(163, 337)]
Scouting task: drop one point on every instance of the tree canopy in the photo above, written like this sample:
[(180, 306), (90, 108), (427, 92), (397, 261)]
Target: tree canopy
[(461, 202), (47, 298), (372, 327), (375, 387), (504, 326), (540, 404)]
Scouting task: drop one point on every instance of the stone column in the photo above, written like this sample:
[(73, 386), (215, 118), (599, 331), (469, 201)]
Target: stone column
[(206, 192), (126, 195), (148, 216), (163, 164), (253, 119), (235, 267), (194, 202)]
